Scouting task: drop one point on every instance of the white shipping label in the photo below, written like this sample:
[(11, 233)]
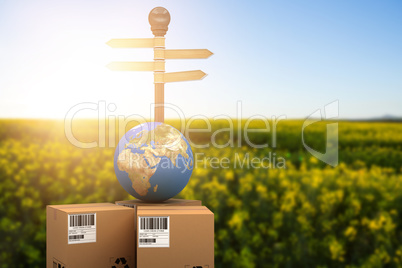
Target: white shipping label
[(153, 232), (81, 228)]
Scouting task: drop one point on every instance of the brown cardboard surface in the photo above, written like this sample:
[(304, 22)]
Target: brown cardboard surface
[(81, 205), (114, 237), (88, 209), (191, 238)]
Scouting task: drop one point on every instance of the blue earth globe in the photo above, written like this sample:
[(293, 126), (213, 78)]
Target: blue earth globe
[(153, 162)]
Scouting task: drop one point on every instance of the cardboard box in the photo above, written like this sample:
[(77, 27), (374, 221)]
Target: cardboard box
[(175, 236), (135, 203), (90, 235)]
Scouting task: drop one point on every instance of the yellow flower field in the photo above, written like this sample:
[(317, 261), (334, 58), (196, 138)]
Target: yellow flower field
[(307, 214)]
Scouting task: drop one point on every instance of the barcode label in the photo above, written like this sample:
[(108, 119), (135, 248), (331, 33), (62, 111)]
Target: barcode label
[(76, 237), (148, 240), (81, 228), (154, 223), (82, 220), (153, 232)]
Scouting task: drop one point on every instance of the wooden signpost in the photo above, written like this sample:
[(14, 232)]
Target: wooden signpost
[(159, 18)]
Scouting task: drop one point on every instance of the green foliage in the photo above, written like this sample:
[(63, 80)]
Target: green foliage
[(307, 215)]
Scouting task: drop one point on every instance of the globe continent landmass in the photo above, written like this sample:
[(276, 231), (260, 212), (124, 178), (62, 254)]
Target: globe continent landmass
[(162, 141)]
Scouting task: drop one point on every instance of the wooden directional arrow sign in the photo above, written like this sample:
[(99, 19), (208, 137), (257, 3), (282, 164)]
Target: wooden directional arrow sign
[(137, 66), (159, 18), (182, 54), (179, 76), (137, 42)]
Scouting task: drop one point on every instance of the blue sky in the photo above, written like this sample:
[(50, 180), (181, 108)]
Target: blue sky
[(276, 57)]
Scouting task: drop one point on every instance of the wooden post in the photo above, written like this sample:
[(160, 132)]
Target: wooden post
[(159, 18)]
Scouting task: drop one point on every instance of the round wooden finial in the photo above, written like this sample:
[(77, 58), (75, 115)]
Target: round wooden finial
[(159, 18)]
